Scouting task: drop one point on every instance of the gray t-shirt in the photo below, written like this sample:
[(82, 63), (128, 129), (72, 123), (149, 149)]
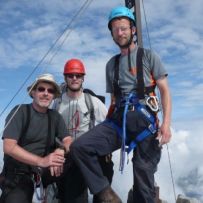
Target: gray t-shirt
[(152, 70), (35, 140), (76, 113)]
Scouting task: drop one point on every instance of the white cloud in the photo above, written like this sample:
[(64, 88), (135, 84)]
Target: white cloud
[(29, 29)]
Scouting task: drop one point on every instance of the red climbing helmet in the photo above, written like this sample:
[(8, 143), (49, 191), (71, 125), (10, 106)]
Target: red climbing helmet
[(74, 66)]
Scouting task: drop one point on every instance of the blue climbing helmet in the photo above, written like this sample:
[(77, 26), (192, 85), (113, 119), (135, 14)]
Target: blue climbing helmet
[(120, 11)]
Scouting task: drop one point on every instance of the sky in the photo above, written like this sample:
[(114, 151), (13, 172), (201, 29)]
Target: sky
[(40, 36)]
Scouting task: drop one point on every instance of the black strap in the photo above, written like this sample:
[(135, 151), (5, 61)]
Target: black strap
[(100, 97), (116, 88), (90, 107), (140, 78), (48, 141), (27, 123), (129, 60)]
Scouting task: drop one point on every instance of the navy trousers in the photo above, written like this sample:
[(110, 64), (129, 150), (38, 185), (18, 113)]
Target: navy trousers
[(103, 139)]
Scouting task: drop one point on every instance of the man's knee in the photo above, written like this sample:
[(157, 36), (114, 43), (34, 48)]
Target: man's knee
[(74, 148)]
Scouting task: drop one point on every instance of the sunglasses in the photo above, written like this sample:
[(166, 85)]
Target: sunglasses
[(43, 89), (77, 76)]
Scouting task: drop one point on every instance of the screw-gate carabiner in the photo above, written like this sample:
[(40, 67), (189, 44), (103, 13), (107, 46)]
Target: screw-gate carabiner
[(153, 103)]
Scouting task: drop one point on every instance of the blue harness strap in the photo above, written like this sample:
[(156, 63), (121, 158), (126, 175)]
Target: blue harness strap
[(152, 128)]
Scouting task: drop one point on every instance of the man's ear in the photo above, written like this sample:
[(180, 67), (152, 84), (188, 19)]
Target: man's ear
[(32, 93), (134, 30)]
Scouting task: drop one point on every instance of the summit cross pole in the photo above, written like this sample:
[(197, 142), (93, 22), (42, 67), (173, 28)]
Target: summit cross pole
[(137, 14)]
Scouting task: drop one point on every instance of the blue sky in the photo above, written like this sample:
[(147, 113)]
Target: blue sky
[(30, 28)]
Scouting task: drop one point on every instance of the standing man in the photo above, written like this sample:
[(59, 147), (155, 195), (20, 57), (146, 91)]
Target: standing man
[(131, 78), (29, 142), (81, 111)]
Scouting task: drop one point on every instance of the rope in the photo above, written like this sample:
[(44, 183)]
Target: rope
[(169, 159), (84, 6), (171, 172), (123, 150), (73, 20)]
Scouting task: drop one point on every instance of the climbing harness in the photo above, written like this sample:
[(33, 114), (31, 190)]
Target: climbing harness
[(33, 172), (132, 104), (38, 185), (144, 102), (153, 103)]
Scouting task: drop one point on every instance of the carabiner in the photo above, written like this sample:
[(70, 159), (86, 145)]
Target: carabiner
[(152, 103)]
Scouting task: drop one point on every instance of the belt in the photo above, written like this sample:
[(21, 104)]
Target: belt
[(19, 171)]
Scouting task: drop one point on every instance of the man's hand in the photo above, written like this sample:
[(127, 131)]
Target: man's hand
[(164, 134), (55, 159), (56, 170)]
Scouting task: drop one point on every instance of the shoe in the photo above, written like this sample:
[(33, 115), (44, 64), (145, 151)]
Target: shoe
[(107, 195)]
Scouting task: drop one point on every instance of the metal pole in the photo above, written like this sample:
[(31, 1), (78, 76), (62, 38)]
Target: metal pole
[(137, 14), (138, 22)]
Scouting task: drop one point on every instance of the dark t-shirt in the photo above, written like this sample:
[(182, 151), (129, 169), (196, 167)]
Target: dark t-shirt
[(35, 139)]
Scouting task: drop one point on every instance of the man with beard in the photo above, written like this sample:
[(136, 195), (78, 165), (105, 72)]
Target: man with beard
[(131, 78), (81, 111)]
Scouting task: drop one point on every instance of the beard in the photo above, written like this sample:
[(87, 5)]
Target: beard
[(126, 44), (75, 89), (42, 103)]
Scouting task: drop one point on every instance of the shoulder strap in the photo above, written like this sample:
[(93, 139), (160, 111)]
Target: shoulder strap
[(90, 107), (26, 118), (100, 97), (140, 79), (116, 88), (49, 134)]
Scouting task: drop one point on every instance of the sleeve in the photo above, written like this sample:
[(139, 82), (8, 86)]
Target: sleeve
[(157, 66), (13, 124)]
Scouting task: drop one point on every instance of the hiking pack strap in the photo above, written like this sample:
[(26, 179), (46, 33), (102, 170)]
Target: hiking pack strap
[(90, 107), (48, 141), (27, 123), (140, 78)]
